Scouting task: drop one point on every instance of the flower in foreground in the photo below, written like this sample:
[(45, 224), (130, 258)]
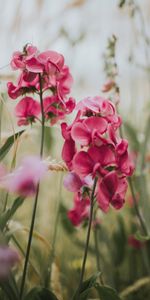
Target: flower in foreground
[(93, 149), (25, 178), (8, 258)]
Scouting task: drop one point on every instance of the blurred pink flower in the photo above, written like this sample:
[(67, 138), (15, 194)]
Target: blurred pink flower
[(8, 258), (134, 243), (80, 211), (24, 179), (27, 110)]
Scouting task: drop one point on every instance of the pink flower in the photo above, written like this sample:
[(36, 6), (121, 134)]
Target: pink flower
[(24, 180), (27, 110), (64, 82), (80, 211), (111, 190), (8, 258), (72, 182), (94, 160), (88, 130), (134, 243), (13, 91)]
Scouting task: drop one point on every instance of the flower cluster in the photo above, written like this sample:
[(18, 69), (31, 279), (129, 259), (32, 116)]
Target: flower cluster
[(43, 72), (93, 149)]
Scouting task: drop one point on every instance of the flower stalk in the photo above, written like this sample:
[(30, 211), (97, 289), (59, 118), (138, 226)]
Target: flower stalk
[(36, 197), (87, 241)]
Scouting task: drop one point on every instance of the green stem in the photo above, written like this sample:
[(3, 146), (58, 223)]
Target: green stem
[(36, 197), (141, 220), (87, 242), (95, 231), (51, 258)]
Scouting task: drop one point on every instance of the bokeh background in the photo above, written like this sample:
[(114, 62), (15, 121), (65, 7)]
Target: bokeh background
[(79, 29)]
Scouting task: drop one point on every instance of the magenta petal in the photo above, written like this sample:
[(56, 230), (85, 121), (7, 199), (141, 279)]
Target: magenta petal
[(96, 123), (103, 154), (80, 134), (82, 164), (68, 150), (32, 65)]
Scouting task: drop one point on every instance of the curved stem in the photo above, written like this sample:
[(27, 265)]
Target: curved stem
[(87, 242), (36, 197)]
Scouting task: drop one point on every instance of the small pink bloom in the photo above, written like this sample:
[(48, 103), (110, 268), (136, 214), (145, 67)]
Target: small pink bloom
[(80, 212), (27, 110), (134, 243), (24, 180), (108, 86), (8, 258)]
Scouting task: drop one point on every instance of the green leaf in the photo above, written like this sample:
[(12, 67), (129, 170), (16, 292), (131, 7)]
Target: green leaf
[(10, 288), (69, 228), (4, 217), (106, 292), (8, 144), (40, 293), (86, 287)]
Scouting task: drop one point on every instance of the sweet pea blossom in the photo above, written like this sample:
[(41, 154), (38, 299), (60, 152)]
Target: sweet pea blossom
[(25, 178), (93, 149), (27, 110), (8, 258), (41, 72)]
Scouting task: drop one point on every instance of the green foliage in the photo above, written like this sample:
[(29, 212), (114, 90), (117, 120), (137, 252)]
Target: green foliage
[(7, 215), (8, 144), (106, 292), (86, 287), (40, 293)]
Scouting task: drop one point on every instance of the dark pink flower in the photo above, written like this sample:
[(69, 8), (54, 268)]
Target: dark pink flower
[(111, 190), (27, 110), (24, 180), (80, 211), (8, 258)]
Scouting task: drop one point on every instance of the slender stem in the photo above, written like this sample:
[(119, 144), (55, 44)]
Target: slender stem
[(95, 231), (141, 220), (87, 241), (51, 258), (36, 197)]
